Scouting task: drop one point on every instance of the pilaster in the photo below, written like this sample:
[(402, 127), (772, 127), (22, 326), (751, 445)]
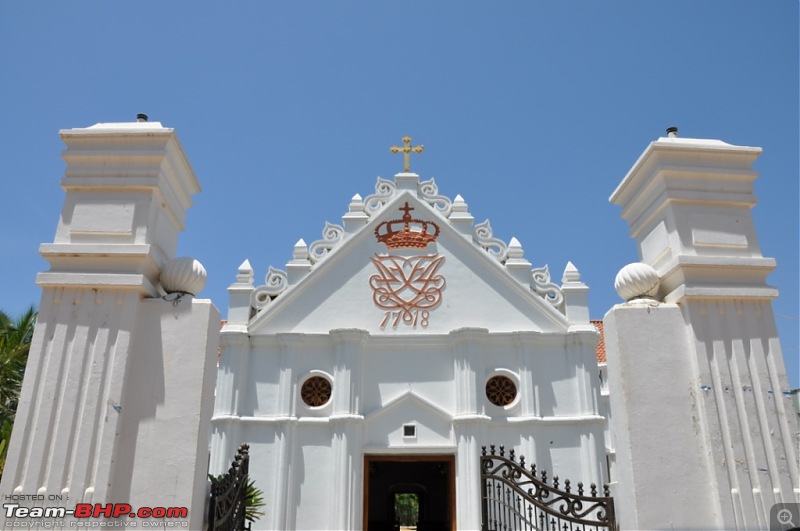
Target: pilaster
[(347, 427), (229, 398), (468, 434)]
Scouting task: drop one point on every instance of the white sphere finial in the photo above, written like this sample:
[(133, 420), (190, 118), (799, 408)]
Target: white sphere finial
[(183, 275), (636, 281)]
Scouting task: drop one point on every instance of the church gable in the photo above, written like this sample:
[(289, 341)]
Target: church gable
[(406, 259)]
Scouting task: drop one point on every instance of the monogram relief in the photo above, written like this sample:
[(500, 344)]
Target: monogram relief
[(407, 287)]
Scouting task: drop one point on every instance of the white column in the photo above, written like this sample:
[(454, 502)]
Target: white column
[(347, 428), (469, 422), (233, 378), (284, 464), (469, 369), (282, 513), (469, 433)]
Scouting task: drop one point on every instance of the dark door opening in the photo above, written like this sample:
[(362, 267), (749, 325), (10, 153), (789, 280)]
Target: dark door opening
[(409, 493)]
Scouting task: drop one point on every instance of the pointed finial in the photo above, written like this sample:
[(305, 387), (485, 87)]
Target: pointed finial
[(515, 250), (356, 204), (245, 273), (300, 251), (571, 274)]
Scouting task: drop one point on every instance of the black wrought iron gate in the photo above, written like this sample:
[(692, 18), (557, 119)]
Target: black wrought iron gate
[(514, 498), (226, 509)]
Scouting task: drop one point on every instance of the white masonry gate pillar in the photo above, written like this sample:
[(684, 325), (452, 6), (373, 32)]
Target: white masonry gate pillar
[(118, 391), (704, 433)]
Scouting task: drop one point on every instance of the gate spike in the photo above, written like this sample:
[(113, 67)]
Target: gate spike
[(594, 490), (606, 491), (544, 476), (492, 449), (502, 450), (522, 461), (580, 488), (511, 455), (483, 450), (533, 469), (566, 485), (555, 482)]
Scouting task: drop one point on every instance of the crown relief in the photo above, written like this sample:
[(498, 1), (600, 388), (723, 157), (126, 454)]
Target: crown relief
[(406, 232)]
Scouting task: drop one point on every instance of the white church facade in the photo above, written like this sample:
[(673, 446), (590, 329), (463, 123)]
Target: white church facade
[(380, 360), (407, 335)]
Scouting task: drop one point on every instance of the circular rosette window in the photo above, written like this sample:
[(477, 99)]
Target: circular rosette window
[(501, 390), (316, 391)]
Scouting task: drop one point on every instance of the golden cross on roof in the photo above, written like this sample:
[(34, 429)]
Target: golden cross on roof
[(407, 150)]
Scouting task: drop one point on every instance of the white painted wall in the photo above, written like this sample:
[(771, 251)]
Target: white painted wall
[(163, 452)]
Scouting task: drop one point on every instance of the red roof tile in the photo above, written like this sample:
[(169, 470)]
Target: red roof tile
[(601, 345)]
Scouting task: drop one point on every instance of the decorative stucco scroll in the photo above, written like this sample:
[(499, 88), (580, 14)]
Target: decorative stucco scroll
[(384, 189), (332, 235), (541, 284), (482, 235), (430, 194), (275, 284)]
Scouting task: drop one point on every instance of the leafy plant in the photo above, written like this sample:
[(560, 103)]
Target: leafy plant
[(15, 344), (253, 502), (253, 498)]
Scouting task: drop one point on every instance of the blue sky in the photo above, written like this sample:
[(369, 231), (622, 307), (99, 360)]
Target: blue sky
[(532, 111)]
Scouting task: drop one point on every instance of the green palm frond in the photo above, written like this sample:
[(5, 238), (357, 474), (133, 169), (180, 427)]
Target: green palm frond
[(15, 344)]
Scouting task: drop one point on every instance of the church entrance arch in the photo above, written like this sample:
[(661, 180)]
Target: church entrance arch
[(409, 493)]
